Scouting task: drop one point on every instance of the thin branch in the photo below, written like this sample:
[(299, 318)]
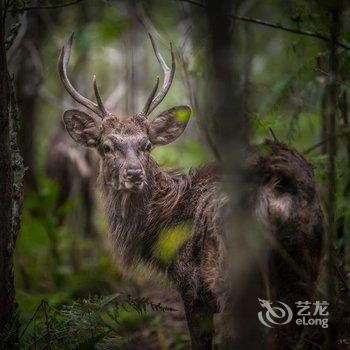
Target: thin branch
[(32, 318), (50, 7), (342, 278), (319, 144), (273, 134), (339, 82), (275, 26)]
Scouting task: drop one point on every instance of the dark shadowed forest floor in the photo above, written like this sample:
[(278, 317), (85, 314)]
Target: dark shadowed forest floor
[(160, 329)]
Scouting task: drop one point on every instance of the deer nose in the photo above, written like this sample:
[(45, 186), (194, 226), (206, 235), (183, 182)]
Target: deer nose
[(134, 173)]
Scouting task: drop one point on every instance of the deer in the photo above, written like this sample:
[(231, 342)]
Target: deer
[(144, 202)]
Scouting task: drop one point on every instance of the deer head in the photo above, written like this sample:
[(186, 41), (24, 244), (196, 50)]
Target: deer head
[(123, 143)]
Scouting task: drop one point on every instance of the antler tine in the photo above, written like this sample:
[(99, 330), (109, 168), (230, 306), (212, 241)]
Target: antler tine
[(62, 69), (168, 78), (98, 98), (145, 110)]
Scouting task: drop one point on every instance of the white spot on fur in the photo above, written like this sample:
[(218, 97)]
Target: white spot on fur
[(281, 205), (272, 204)]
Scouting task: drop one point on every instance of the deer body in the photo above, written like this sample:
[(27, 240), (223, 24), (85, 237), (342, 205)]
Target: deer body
[(144, 202)]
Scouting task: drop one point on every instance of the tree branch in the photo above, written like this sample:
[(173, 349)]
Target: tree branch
[(50, 7), (276, 26), (321, 143)]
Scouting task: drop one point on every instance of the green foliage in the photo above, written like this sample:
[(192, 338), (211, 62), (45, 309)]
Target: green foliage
[(50, 256), (94, 323), (114, 24), (184, 156)]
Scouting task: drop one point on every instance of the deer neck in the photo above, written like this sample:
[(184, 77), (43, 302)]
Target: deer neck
[(137, 219)]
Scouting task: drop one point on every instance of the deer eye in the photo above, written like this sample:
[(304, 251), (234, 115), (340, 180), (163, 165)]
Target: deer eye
[(146, 146), (106, 149)]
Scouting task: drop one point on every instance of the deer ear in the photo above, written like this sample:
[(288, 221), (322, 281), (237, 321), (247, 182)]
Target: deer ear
[(169, 125), (82, 127)]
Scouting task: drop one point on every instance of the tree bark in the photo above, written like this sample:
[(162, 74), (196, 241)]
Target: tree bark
[(341, 223), (8, 319), (331, 111), (241, 276), (28, 78)]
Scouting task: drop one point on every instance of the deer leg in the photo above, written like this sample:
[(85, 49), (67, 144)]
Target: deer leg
[(199, 317)]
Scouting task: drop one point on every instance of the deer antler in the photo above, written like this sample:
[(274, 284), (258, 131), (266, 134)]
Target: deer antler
[(153, 101), (63, 61)]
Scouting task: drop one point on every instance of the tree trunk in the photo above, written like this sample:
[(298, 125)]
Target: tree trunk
[(330, 113), (242, 280), (28, 77), (341, 222), (8, 323)]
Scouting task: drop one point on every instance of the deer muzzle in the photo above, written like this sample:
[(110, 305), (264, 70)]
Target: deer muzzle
[(133, 179)]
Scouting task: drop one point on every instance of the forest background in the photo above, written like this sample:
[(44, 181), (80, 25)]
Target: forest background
[(293, 64)]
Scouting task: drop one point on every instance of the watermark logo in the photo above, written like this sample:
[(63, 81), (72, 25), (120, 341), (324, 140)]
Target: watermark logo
[(272, 315), (307, 313)]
